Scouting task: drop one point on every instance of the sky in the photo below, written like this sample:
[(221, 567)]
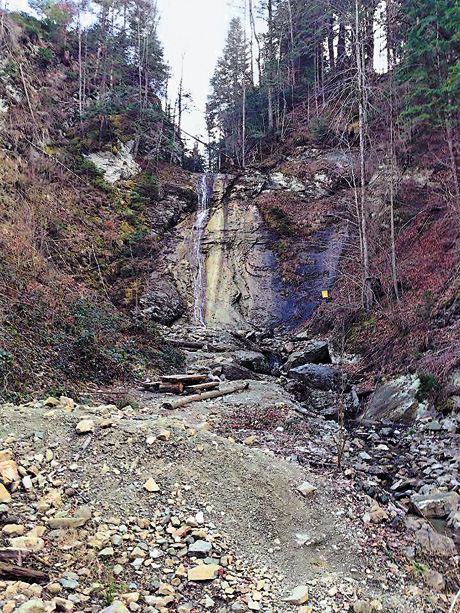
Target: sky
[(193, 34)]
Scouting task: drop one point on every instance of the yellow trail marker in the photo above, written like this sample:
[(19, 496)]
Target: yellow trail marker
[(325, 293)]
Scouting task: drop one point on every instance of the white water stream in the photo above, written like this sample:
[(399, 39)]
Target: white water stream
[(204, 189)]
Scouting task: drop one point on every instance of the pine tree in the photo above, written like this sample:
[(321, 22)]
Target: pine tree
[(228, 90), (431, 69)]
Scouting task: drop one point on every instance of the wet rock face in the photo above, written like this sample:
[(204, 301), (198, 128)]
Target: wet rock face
[(243, 279)]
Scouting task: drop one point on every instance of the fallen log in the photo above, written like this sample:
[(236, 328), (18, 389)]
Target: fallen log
[(202, 386), (151, 385), (19, 573), (12, 555), (183, 378), (206, 396), (173, 388)]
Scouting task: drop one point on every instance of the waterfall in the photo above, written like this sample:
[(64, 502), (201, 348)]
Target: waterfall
[(204, 189)]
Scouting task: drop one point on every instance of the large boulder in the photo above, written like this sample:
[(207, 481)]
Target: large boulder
[(393, 401), (235, 372), (253, 360), (311, 353), (438, 504), (318, 376), (161, 301)]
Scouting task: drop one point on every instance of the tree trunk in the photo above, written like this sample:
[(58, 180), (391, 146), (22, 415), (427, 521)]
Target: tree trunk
[(360, 75), (330, 42), (271, 123)]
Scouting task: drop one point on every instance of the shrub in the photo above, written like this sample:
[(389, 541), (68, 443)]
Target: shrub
[(428, 386)]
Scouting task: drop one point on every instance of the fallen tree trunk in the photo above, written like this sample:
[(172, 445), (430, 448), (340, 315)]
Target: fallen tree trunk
[(202, 386), (19, 573), (151, 385), (12, 555), (184, 378), (206, 396)]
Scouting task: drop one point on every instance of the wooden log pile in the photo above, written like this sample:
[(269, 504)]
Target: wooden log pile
[(193, 387), (182, 384)]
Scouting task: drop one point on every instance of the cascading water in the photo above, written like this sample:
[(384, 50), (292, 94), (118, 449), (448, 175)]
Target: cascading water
[(204, 189)]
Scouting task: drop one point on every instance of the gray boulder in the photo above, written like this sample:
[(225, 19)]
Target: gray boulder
[(161, 301), (235, 372), (439, 504), (318, 376), (312, 353), (253, 360), (393, 401)]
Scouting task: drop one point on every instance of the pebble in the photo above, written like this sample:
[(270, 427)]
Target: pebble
[(203, 572), (306, 489), (85, 426), (298, 596), (151, 485), (5, 496)]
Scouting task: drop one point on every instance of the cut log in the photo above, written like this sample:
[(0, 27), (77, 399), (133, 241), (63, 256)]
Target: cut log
[(12, 555), (19, 573), (202, 386), (205, 396), (173, 388), (151, 385), (184, 379)]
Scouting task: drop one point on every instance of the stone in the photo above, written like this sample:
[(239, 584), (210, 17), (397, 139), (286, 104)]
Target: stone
[(83, 512), (203, 572), (377, 515), (235, 372), (249, 441), (298, 596), (32, 606), (51, 402), (27, 483), (200, 548), (54, 588), (253, 360), (151, 485), (311, 353), (438, 505), (30, 543), (9, 472), (62, 604), (161, 300), (361, 606), (13, 530), (56, 523), (116, 607), (85, 426), (5, 496), (107, 552), (306, 489), (393, 401), (318, 376), (164, 435), (434, 543)]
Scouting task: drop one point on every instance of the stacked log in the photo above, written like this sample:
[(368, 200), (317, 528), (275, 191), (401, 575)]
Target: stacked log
[(182, 384)]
